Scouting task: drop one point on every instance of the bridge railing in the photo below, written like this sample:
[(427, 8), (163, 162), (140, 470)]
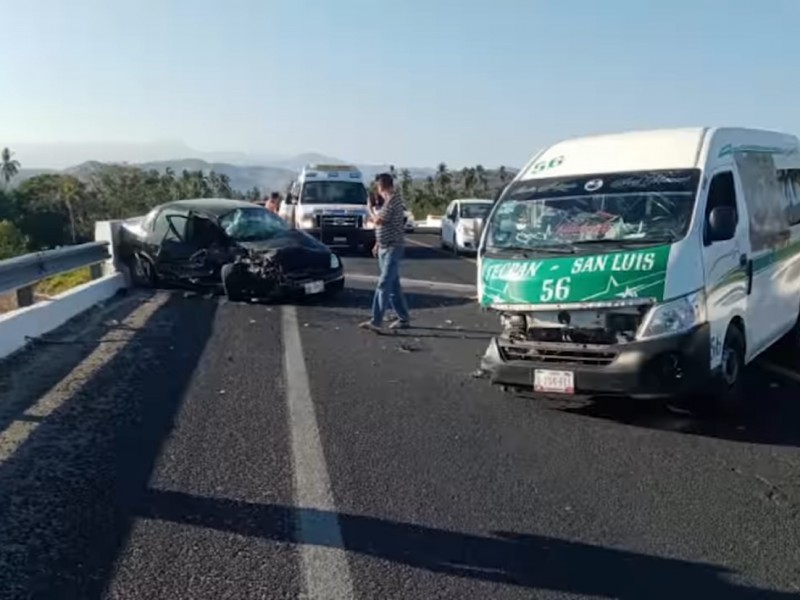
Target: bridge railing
[(21, 273), (32, 317)]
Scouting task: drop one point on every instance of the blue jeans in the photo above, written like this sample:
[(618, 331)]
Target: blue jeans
[(389, 290)]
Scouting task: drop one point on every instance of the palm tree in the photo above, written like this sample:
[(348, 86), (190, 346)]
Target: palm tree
[(503, 174), (443, 180), (69, 193), (483, 180), (8, 166), (468, 175), (406, 184)]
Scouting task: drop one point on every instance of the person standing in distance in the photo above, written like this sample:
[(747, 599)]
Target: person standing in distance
[(274, 202), (389, 248)]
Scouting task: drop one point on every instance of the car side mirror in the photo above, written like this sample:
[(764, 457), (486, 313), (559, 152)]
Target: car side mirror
[(721, 224)]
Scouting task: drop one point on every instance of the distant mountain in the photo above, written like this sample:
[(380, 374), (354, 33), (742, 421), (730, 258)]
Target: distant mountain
[(267, 176)]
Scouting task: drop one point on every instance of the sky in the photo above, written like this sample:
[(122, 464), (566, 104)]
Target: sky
[(411, 82)]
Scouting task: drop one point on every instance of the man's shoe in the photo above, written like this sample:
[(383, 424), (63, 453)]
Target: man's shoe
[(400, 324), (369, 325)]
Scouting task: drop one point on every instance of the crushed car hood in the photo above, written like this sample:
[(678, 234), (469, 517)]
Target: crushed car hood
[(293, 250)]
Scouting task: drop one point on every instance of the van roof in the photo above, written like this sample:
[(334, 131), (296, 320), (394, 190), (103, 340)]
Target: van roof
[(679, 148)]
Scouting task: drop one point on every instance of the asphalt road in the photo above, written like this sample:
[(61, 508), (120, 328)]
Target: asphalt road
[(174, 447)]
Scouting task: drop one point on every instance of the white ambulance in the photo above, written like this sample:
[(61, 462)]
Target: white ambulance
[(645, 264), (330, 203)]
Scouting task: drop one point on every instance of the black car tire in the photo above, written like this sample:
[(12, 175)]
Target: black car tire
[(233, 282), (143, 272)]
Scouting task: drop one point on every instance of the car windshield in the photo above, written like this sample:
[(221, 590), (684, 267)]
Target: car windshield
[(566, 213), (334, 192), (252, 224), (476, 210)]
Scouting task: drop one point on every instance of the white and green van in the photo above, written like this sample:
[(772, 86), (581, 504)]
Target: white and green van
[(645, 264)]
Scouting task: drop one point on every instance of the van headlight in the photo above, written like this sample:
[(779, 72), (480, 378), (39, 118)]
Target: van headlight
[(335, 262), (368, 222), (675, 316), (307, 223)]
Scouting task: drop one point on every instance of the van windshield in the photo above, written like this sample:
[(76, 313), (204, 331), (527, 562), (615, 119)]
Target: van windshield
[(334, 192), (573, 214)]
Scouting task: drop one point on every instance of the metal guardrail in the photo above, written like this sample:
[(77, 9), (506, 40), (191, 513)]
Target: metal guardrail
[(21, 272)]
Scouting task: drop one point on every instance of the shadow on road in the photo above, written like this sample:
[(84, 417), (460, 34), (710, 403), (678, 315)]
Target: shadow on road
[(530, 561), (30, 373), (64, 491), (772, 417)]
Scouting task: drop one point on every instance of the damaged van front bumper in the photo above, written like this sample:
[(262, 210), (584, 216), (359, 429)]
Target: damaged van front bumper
[(663, 367)]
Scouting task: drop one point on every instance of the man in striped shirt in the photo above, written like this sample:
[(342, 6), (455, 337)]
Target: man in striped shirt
[(389, 247)]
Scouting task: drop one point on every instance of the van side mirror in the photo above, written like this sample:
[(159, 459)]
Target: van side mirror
[(721, 224)]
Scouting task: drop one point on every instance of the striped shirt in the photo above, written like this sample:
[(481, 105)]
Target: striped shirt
[(392, 231)]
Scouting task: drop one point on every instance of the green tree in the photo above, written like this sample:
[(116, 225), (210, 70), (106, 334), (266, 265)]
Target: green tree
[(483, 179), (468, 177), (9, 167), (12, 241), (502, 172), (406, 184), (443, 181)]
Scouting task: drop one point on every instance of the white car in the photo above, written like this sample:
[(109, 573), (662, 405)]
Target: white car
[(463, 222)]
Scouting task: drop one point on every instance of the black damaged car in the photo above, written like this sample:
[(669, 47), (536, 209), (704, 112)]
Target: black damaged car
[(247, 250)]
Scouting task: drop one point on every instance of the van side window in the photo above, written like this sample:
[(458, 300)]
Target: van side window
[(789, 181), (451, 213), (721, 192)]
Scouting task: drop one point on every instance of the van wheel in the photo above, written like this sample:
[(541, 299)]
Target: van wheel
[(729, 394)]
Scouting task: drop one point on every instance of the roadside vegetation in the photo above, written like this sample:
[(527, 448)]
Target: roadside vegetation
[(56, 209)]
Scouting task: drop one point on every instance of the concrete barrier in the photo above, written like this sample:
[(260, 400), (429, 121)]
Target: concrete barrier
[(19, 327)]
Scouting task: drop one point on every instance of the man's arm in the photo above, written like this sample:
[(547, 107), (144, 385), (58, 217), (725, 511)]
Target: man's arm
[(385, 212)]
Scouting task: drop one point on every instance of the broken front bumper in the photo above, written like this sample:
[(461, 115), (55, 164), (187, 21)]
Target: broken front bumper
[(659, 368)]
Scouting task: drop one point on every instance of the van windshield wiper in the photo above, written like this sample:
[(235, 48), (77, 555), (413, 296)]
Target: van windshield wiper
[(626, 243), (538, 249)]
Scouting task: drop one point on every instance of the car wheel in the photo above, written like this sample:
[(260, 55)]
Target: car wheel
[(143, 272), (728, 392), (233, 283)]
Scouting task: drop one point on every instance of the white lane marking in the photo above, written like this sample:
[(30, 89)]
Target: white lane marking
[(19, 430), (779, 370), (326, 572), (464, 288), (442, 250)]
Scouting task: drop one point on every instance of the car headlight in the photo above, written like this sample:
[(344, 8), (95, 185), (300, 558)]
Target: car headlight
[(368, 223), (306, 223), (335, 262), (675, 316)]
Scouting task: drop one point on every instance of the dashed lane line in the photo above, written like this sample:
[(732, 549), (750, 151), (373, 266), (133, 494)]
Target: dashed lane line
[(325, 570)]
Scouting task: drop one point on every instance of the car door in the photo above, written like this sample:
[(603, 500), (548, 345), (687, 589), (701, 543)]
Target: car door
[(444, 230), (727, 266), (449, 224)]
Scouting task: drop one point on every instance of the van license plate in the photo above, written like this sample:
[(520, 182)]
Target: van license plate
[(314, 287), (562, 382)]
